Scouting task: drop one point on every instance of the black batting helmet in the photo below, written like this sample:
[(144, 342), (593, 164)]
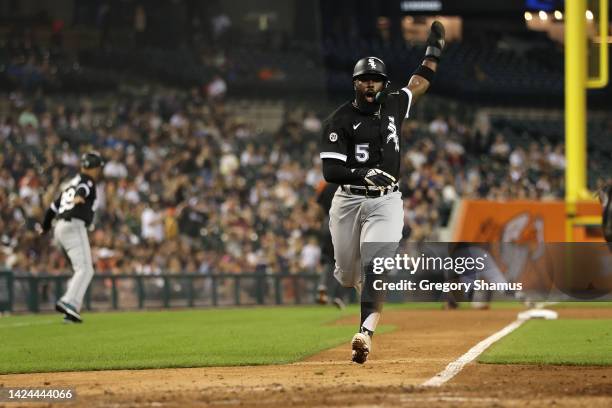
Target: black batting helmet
[(91, 160), (370, 65)]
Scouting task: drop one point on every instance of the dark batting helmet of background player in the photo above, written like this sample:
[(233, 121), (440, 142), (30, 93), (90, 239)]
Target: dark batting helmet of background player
[(91, 160), (370, 65)]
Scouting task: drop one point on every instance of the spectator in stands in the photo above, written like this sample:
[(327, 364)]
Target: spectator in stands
[(229, 163), (310, 256), (311, 123), (438, 126), (556, 158), (152, 222), (217, 88), (500, 149), (140, 25), (188, 178), (115, 168)]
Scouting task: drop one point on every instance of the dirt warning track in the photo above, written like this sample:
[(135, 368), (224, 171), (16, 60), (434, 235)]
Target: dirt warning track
[(423, 344)]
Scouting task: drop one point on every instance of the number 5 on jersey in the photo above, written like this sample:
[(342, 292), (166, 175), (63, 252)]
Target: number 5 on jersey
[(362, 153)]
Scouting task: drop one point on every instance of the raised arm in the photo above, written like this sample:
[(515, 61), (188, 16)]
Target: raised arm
[(422, 77)]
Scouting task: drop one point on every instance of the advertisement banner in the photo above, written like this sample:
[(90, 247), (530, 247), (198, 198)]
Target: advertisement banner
[(513, 221)]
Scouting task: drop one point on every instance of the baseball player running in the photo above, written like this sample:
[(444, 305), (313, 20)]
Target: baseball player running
[(605, 197), (74, 211), (361, 152)]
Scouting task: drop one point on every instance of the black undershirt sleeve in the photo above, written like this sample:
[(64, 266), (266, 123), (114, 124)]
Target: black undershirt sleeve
[(49, 215), (336, 172), (391, 160)]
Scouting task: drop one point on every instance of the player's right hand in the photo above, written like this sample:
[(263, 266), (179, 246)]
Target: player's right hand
[(378, 178), (435, 41)]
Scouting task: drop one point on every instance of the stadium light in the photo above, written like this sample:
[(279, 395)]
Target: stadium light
[(543, 16), (528, 16), (589, 15), (558, 15)]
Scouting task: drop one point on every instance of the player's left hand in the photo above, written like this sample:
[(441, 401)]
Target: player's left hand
[(435, 41), (39, 229)]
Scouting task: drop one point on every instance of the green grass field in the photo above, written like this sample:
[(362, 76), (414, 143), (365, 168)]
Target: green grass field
[(580, 305), (193, 338), (566, 342), (252, 336)]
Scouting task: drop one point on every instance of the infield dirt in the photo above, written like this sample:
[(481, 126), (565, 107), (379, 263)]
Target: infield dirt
[(424, 342)]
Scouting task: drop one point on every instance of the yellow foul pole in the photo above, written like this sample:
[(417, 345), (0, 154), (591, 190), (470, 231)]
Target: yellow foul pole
[(575, 106)]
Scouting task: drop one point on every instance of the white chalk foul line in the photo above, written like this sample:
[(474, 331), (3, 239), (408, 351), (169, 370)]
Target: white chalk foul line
[(456, 366)]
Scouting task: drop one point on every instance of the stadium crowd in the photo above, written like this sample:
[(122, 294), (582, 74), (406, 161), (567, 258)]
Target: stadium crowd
[(191, 188)]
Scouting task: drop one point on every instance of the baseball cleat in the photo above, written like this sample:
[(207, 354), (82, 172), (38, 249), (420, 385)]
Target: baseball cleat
[(69, 311), (322, 297), (68, 320), (481, 306), (450, 305), (361, 344), (339, 303)]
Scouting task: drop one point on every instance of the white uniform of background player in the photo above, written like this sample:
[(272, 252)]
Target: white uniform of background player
[(74, 211)]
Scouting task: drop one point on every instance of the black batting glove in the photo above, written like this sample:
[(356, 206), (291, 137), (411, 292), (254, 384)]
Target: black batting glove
[(435, 41), (376, 178)]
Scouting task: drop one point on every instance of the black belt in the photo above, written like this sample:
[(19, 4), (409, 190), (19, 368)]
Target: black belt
[(69, 219), (369, 192)]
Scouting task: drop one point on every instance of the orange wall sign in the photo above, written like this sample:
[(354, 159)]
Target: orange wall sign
[(512, 221)]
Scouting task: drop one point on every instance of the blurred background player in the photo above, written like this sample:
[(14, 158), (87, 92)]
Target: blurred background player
[(605, 197), (361, 152), (491, 273), (74, 210)]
